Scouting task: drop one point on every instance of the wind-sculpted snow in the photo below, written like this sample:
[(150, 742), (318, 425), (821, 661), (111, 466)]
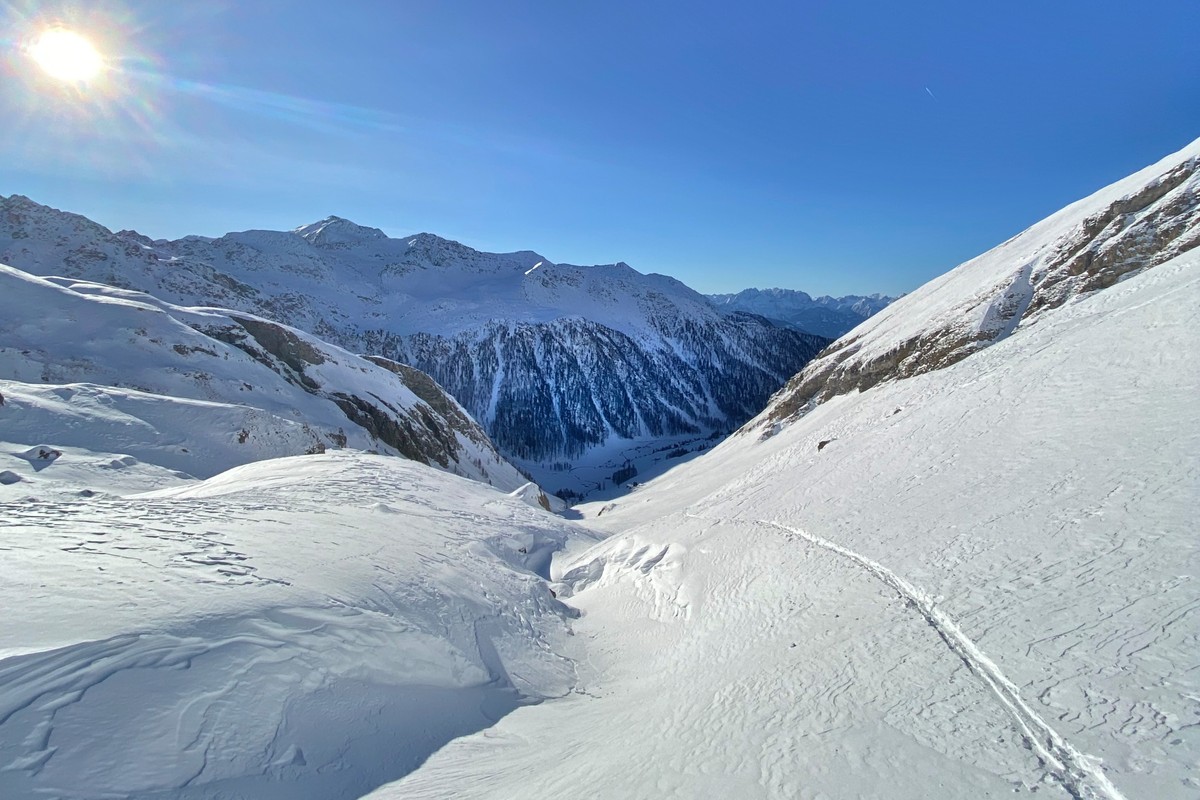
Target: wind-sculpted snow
[(982, 581), (202, 390), (299, 628), (1133, 225), (553, 360)]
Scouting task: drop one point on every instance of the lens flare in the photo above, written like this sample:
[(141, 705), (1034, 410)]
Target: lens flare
[(67, 56)]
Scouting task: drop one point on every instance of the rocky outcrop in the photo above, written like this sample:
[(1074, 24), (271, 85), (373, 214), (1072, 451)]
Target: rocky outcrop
[(425, 431), (1138, 232)]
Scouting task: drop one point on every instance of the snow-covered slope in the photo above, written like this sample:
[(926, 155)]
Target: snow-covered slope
[(202, 390), (825, 316), (306, 627), (554, 360), (979, 581), (970, 570), (1130, 226)]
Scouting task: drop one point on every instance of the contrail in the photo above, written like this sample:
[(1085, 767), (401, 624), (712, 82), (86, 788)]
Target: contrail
[(930, 92)]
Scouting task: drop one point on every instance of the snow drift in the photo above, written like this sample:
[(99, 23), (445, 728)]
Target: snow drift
[(300, 627)]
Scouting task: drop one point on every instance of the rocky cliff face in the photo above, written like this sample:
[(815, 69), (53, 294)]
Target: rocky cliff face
[(552, 359), (1133, 225)]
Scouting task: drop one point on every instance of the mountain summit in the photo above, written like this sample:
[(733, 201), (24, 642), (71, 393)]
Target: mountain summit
[(335, 232)]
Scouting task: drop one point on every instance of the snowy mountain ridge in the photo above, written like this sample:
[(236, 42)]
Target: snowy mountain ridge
[(1133, 225), (555, 361)]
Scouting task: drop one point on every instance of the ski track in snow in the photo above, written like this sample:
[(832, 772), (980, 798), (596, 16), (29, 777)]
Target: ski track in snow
[(1079, 773)]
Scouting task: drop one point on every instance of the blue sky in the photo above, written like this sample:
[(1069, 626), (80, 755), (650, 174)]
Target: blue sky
[(835, 147)]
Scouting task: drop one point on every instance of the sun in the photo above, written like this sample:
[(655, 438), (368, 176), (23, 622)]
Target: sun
[(66, 55)]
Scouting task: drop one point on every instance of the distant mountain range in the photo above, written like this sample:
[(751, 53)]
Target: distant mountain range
[(564, 366), (825, 316)]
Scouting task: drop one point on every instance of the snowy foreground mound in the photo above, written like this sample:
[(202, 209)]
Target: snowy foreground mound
[(978, 581), (298, 628)]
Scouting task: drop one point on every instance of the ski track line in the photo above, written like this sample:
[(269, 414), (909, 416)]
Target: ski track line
[(1079, 773)]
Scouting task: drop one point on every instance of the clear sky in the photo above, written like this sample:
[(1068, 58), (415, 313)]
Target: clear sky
[(835, 147)]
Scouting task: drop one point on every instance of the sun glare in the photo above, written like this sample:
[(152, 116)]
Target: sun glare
[(66, 55)]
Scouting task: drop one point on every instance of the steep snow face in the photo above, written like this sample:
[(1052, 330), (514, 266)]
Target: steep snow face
[(1133, 225), (202, 390), (554, 360), (979, 581), (825, 316), (307, 627)]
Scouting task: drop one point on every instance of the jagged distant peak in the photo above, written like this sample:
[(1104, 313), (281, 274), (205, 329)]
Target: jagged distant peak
[(20, 199), (431, 241), (796, 297), (129, 234), (335, 231)]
